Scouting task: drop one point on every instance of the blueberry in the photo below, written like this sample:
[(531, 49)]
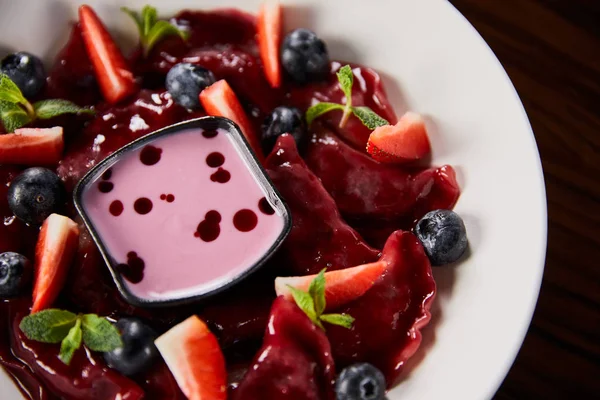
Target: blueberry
[(26, 71), (304, 56), (443, 235), (138, 351), (360, 382), (185, 82), (15, 274), (283, 120), (35, 194)]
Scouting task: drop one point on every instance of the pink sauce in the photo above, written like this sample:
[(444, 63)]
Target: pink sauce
[(173, 231)]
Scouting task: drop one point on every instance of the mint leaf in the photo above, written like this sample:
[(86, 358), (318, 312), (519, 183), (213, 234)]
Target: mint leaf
[(13, 116), (99, 334), (136, 18), (313, 304), (317, 292), (344, 320), (160, 30), (152, 30), (368, 117), (346, 80), (70, 343), (319, 109), (47, 109), (306, 304), (48, 326), (10, 92), (149, 15)]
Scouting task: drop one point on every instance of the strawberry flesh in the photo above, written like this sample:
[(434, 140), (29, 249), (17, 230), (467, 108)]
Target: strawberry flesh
[(404, 142), (112, 72), (193, 355), (319, 237), (388, 316), (54, 253), (341, 287), (268, 27), (27, 146), (294, 362), (219, 100)]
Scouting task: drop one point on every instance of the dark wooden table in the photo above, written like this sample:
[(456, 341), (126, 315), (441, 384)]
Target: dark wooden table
[(551, 50)]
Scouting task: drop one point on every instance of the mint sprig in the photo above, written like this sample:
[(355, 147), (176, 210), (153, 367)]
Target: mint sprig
[(71, 343), (367, 116), (70, 330), (151, 29), (313, 304), (16, 111)]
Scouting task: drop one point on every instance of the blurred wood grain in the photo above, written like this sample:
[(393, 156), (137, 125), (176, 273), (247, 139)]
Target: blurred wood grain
[(551, 51)]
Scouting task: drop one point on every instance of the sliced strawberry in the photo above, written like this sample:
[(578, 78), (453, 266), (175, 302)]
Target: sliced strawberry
[(112, 72), (341, 286), (54, 253), (404, 142), (269, 36), (220, 100), (32, 146), (193, 355)]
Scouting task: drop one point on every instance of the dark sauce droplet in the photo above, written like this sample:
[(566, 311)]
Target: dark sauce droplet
[(215, 159), (209, 229), (210, 133), (105, 187), (143, 205), (170, 198), (133, 270), (107, 174), (163, 196), (221, 176), (245, 220), (116, 208), (150, 155), (265, 207)]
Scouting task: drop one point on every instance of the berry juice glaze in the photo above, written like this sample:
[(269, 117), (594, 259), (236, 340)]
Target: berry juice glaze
[(317, 186), (176, 232)]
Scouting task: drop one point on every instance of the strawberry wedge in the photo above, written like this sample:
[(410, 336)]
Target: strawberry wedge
[(193, 355), (32, 147), (269, 36), (219, 100), (112, 72), (404, 142), (54, 252), (341, 286)]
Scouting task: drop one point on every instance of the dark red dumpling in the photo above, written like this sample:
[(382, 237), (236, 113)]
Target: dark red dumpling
[(115, 127), (388, 316), (319, 237), (294, 362), (377, 199), (367, 91)]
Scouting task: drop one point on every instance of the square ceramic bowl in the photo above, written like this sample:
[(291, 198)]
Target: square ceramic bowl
[(433, 62), (162, 230)]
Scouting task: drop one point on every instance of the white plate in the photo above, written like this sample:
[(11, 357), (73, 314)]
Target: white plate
[(433, 62)]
